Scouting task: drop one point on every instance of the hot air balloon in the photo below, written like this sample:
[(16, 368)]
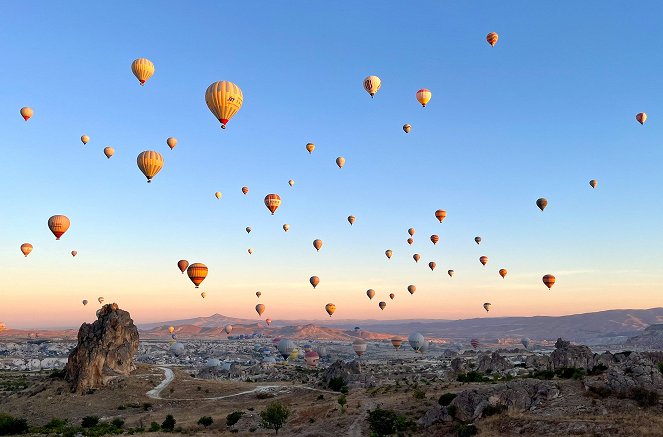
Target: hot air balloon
[(407, 128), (388, 253), (396, 342), (203, 294), (109, 151), (268, 321), (150, 163), (84, 302), (440, 214), (492, 38), (143, 69), (317, 244), (372, 85), (330, 308), (171, 329), (197, 273), (411, 231), (58, 224), (416, 257), (382, 305), (423, 96), (474, 342), (310, 147), (314, 280), (272, 202), (291, 182), (285, 347), (525, 341), (250, 251), (432, 265), (245, 190), (26, 248), (370, 293), (85, 139), (74, 253), (392, 296), (450, 273), (248, 230), (286, 227), (100, 299), (411, 289), (483, 260), (340, 161), (258, 294), (224, 99), (359, 346), (478, 240), (640, 116), (311, 358), (260, 308), (182, 265), (410, 241), (542, 203), (351, 219), (486, 306), (416, 341), (228, 329), (434, 238), (593, 183), (171, 142), (218, 194), (26, 113), (549, 280), (177, 349)]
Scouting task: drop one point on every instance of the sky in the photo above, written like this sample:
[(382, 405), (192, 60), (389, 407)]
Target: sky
[(550, 107)]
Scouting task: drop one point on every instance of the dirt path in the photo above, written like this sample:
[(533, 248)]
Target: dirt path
[(355, 429)]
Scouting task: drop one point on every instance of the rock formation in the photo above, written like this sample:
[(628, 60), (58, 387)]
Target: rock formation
[(489, 363), (651, 338), (628, 372), (105, 349)]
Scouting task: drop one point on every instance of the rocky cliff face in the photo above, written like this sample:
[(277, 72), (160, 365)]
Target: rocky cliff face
[(651, 338), (105, 349)]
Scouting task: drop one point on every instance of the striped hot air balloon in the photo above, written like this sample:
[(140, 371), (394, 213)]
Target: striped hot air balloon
[(503, 273), (224, 99), (440, 214), (143, 69), (424, 96), (150, 163), (434, 238), (549, 280), (197, 272), (483, 260), (492, 38), (272, 202)]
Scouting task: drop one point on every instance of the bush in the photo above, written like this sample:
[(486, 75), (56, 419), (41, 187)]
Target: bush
[(542, 374), (275, 416), (321, 397), (463, 430), (264, 395), (90, 421), (387, 422), (570, 373), (336, 383), (233, 417), (118, 422), (451, 409), (57, 374), (56, 425), (660, 366), (472, 376), (147, 406), (342, 400), (154, 427), (644, 397), (419, 393), (446, 399), (12, 426), (491, 410), (205, 421), (345, 390), (598, 369), (169, 423)]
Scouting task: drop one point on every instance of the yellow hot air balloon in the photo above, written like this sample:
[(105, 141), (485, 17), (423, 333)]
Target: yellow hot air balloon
[(85, 139), (492, 38), (330, 308), (150, 163), (26, 248), (388, 253), (203, 294), (291, 182), (372, 85), (109, 151), (26, 113), (260, 308), (340, 161), (224, 99), (317, 244), (143, 69), (424, 96), (197, 272), (314, 280), (172, 142), (503, 273), (407, 128), (310, 147), (58, 224), (351, 219), (218, 194), (171, 329)]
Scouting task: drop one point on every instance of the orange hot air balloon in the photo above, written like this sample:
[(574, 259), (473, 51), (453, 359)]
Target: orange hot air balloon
[(197, 273), (218, 194), (314, 280), (260, 308), (85, 139), (424, 96), (432, 265), (492, 38), (411, 289), (26, 113), (330, 308), (203, 294), (250, 251), (26, 248), (416, 257), (483, 260), (272, 202), (411, 231), (150, 163), (382, 305), (182, 265), (58, 224), (248, 230), (370, 293), (245, 190), (434, 238), (392, 296), (503, 273), (450, 273), (549, 280), (542, 203), (310, 147), (388, 253), (407, 128), (317, 244), (593, 183), (172, 142), (109, 151), (640, 116), (340, 161), (224, 99), (440, 214), (74, 253), (410, 241), (286, 227), (351, 219), (143, 69)]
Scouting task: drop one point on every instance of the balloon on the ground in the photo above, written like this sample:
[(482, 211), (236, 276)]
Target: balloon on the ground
[(416, 341)]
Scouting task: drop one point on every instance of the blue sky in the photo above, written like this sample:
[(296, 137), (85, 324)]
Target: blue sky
[(550, 107)]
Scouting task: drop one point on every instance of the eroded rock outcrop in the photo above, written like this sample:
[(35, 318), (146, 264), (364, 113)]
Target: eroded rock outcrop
[(568, 355), (105, 349), (492, 363), (627, 373)]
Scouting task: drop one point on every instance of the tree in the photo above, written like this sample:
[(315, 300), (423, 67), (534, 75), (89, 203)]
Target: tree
[(90, 421), (205, 421), (387, 422), (342, 400), (234, 417), (275, 416), (169, 423)]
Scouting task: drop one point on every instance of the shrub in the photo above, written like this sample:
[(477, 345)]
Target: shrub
[(542, 374), (472, 376), (147, 406), (321, 397), (233, 417), (446, 399), (11, 426), (387, 422), (345, 390), (452, 409), (121, 407), (275, 416), (336, 384), (154, 427), (56, 425), (90, 421), (570, 373), (342, 400), (169, 423), (465, 430), (491, 410), (205, 421), (660, 366), (419, 393), (644, 397), (264, 395), (57, 374), (598, 369), (118, 422)]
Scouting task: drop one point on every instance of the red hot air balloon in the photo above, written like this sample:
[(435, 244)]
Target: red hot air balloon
[(272, 202), (434, 238), (483, 260), (549, 280), (440, 214), (182, 265)]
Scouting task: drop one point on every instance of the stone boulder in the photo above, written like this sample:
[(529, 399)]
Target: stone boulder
[(634, 372), (568, 355), (105, 349), (538, 362), (341, 369), (493, 363), (435, 414)]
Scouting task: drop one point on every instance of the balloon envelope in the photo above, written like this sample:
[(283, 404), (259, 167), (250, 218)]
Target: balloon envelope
[(351, 219), (58, 224), (197, 272), (171, 142), (411, 289), (340, 161), (272, 202), (330, 308), (260, 308), (542, 203), (503, 272), (314, 280), (150, 163), (483, 260), (26, 248), (549, 280), (143, 69), (372, 85), (440, 214), (492, 38), (182, 265), (416, 341), (424, 96), (370, 293), (310, 147), (224, 99), (26, 113)]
